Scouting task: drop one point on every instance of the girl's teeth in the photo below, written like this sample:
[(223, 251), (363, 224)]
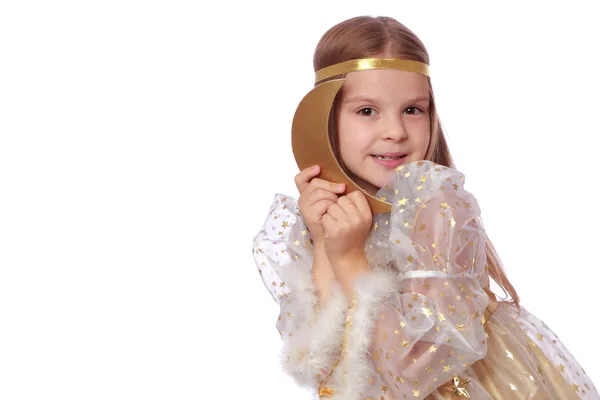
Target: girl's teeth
[(388, 158)]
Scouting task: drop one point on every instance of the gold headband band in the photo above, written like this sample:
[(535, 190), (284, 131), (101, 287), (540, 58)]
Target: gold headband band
[(371, 63)]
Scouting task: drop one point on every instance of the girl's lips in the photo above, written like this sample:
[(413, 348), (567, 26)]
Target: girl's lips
[(390, 163)]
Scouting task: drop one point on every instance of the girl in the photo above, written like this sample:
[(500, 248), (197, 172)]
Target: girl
[(398, 305)]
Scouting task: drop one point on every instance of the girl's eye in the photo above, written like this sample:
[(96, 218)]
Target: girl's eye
[(414, 108), (369, 111)]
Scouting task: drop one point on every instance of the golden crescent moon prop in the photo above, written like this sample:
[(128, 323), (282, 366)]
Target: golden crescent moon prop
[(311, 144)]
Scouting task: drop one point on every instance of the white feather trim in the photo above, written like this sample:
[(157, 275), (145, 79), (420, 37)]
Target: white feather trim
[(357, 368), (309, 354)]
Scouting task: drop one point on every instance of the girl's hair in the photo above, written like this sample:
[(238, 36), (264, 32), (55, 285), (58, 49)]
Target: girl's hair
[(365, 36)]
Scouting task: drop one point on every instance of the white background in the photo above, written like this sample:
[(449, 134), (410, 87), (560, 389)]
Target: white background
[(141, 144)]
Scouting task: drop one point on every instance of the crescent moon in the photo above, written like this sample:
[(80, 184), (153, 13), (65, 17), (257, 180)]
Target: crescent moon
[(311, 144)]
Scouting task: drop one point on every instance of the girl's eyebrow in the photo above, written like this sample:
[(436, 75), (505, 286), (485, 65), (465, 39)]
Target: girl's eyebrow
[(368, 99)]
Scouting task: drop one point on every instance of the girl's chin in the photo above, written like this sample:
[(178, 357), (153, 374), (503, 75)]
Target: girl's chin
[(374, 185)]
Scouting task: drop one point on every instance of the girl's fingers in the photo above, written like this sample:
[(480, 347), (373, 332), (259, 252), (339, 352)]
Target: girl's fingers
[(328, 222), (348, 205), (304, 177), (336, 212), (321, 206), (318, 183), (320, 194), (360, 202)]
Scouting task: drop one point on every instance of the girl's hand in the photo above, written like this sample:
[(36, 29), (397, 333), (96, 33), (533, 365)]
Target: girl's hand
[(347, 224), (316, 196)]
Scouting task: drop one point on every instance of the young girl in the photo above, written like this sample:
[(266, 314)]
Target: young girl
[(398, 305)]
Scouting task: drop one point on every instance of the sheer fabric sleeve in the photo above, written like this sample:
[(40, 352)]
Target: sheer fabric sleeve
[(415, 320), (311, 335)]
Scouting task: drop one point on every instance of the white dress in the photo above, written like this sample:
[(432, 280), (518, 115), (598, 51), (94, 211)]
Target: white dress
[(422, 323)]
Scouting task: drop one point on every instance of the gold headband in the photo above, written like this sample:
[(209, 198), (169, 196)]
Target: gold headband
[(364, 64)]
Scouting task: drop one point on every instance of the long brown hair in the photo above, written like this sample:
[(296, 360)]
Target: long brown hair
[(365, 36)]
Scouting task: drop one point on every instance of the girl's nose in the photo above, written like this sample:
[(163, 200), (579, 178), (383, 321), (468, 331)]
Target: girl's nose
[(394, 130)]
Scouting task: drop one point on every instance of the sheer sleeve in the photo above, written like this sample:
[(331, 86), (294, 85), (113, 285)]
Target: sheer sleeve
[(415, 320), (283, 254)]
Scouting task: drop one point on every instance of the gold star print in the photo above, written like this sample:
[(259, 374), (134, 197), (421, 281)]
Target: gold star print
[(441, 317), (432, 349), (285, 224), (509, 355), (561, 368), (297, 243), (402, 324), (575, 387), (455, 186), (420, 187), (415, 297), (396, 332), (406, 175), (400, 168), (416, 393), (445, 206), (404, 343), (422, 227), (539, 336), (400, 379), (384, 388), (458, 387), (304, 232), (427, 312), (402, 202), (410, 259), (423, 178), (418, 200), (447, 368)]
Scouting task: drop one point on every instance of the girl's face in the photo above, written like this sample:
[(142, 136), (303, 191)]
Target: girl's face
[(383, 122)]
